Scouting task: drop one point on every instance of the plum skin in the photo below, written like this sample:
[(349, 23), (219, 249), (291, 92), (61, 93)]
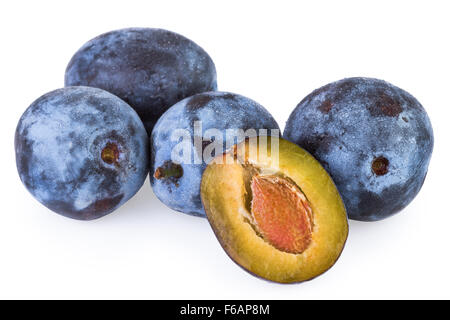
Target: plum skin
[(74, 156), (374, 139), (220, 110), (150, 69)]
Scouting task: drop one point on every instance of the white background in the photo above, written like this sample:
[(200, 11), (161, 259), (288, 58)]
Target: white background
[(273, 52)]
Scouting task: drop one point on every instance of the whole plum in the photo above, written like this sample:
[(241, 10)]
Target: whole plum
[(150, 69), (177, 183), (75, 157), (374, 139)]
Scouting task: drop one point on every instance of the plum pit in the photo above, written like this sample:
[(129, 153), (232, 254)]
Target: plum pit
[(281, 213)]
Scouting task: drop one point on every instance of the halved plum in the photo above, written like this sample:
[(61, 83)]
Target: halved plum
[(275, 210)]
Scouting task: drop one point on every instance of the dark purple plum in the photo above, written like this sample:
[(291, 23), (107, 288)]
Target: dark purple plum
[(150, 69), (196, 128), (374, 139), (82, 152)]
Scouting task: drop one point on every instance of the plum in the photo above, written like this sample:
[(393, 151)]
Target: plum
[(150, 69), (374, 139), (276, 214), (202, 126), (75, 156)]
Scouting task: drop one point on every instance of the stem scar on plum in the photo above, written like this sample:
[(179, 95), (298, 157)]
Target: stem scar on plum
[(110, 153), (170, 172), (380, 166)]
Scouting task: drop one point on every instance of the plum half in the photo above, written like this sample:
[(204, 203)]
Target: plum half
[(275, 210)]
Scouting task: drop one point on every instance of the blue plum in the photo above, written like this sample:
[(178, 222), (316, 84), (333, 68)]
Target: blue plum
[(177, 183), (374, 139), (75, 156), (150, 69)]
